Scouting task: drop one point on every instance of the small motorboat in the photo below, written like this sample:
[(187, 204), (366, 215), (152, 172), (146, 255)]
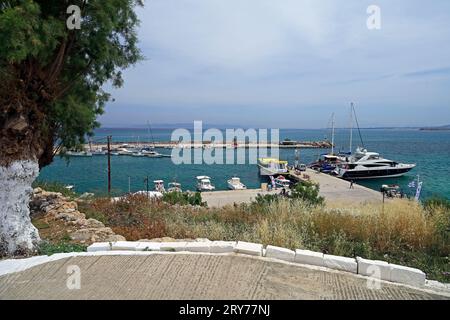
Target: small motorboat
[(174, 187), (282, 182), (138, 154), (236, 184), (204, 184), (392, 191), (159, 186), (98, 152), (79, 153)]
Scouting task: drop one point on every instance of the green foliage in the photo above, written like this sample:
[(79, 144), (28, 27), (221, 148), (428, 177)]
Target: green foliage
[(266, 199), (183, 198), (54, 187), (308, 192), (37, 50), (437, 202), (48, 248)]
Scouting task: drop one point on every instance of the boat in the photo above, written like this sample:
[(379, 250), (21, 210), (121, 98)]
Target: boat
[(392, 191), (138, 154), (272, 166), (79, 153), (151, 154), (124, 151), (204, 184), (282, 182), (370, 165), (174, 187), (363, 164), (327, 163), (98, 152), (159, 186), (236, 184)]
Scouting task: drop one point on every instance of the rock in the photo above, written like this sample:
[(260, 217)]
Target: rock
[(86, 195), (70, 216)]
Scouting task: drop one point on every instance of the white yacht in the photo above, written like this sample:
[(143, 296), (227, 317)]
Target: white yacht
[(98, 152), (159, 186), (174, 187), (204, 184), (271, 166), (370, 165), (79, 153), (151, 154), (236, 184), (124, 151), (282, 182)]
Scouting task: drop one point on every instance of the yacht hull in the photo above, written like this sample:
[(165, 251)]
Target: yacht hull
[(374, 174)]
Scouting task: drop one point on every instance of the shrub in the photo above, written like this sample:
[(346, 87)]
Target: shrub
[(308, 192), (184, 198), (48, 248)]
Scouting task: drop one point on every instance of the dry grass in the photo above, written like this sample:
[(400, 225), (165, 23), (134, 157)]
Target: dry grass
[(403, 232)]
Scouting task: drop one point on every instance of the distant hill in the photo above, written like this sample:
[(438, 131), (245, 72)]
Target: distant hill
[(447, 127)]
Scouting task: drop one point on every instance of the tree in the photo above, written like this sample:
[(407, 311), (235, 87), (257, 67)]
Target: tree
[(51, 91), (308, 192)]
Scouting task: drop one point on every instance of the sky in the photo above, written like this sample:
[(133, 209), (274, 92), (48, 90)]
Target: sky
[(287, 64)]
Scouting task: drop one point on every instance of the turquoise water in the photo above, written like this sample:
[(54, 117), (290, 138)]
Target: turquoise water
[(430, 150)]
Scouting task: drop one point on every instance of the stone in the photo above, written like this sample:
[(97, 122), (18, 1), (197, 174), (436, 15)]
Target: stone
[(253, 249), (280, 253), (222, 246), (406, 275), (309, 257), (92, 223), (340, 263), (374, 268)]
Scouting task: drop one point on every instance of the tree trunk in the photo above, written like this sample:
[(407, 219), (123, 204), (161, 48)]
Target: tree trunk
[(17, 233), (26, 144)]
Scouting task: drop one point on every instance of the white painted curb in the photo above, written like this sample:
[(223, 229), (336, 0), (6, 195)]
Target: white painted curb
[(370, 268), (340, 263), (252, 249), (280, 253), (309, 257)]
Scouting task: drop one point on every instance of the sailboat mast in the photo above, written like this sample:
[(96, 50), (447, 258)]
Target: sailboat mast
[(351, 127), (332, 134)]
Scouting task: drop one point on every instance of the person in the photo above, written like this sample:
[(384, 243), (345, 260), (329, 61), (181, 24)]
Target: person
[(351, 184)]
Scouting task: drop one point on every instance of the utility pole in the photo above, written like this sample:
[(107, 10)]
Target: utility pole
[(332, 135), (146, 184), (109, 164), (351, 127)]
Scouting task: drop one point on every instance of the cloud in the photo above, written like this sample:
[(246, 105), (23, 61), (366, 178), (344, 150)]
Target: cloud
[(305, 56)]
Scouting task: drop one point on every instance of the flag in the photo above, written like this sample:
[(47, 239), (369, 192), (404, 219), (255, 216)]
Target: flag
[(419, 190)]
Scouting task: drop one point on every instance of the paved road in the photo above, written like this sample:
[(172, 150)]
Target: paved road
[(338, 190), (332, 188), (179, 276)]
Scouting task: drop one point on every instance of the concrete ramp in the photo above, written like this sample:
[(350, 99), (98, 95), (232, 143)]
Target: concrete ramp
[(192, 276)]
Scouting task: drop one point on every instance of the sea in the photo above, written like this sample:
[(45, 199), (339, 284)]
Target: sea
[(430, 150)]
